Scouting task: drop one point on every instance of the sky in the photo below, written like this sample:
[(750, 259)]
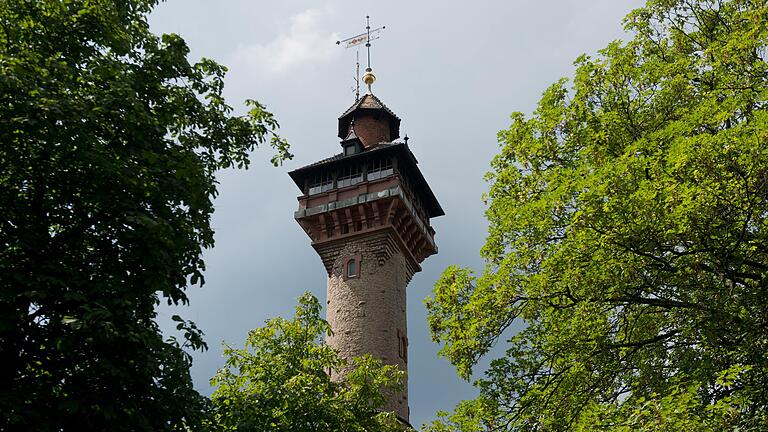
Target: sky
[(452, 71)]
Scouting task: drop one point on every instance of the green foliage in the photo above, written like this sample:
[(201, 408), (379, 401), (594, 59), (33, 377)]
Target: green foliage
[(629, 239), (109, 140), (281, 381)]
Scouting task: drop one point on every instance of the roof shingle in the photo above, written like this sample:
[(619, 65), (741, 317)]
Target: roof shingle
[(369, 101)]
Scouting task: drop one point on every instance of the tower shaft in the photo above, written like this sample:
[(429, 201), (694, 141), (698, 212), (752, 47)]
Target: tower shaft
[(367, 312)]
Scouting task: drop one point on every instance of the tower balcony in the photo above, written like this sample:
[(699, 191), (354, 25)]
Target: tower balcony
[(364, 208)]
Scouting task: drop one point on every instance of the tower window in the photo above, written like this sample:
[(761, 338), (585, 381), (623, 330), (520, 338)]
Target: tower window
[(321, 183), (351, 149), (402, 345), (351, 267), (350, 176), (380, 168)]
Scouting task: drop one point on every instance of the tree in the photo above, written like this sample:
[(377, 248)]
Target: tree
[(628, 239), (109, 141), (281, 381)]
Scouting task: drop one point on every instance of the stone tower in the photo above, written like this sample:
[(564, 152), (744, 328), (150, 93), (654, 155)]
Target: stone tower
[(367, 212)]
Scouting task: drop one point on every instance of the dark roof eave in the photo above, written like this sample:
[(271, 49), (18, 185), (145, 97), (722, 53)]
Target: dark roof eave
[(296, 174), (435, 210)]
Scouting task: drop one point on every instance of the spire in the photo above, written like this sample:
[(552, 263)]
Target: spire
[(367, 37), (368, 77)]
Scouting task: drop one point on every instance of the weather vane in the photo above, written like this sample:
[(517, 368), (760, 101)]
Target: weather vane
[(367, 37)]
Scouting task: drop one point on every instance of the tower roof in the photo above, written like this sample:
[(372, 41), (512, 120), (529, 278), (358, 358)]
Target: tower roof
[(369, 103)]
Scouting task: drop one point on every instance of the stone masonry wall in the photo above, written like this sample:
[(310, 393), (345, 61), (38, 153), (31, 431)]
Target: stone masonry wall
[(368, 313)]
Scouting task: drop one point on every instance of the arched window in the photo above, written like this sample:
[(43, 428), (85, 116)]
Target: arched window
[(352, 268)]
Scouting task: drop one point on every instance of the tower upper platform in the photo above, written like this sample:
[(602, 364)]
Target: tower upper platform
[(373, 184)]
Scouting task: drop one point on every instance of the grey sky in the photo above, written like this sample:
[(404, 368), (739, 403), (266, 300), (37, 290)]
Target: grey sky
[(453, 71)]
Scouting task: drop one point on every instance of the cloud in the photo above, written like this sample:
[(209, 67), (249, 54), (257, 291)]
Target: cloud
[(305, 42)]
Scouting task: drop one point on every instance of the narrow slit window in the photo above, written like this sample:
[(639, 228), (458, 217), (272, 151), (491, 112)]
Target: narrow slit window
[(404, 344), (405, 348), (351, 268)]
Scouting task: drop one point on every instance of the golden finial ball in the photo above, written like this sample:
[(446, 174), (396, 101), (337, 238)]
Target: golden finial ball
[(369, 77)]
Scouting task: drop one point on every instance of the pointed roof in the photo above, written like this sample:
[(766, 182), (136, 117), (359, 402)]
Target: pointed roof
[(371, 102), (351, 135), (365, 103)]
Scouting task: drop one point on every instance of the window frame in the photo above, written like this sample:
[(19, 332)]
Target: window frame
[(349, 176), (320, 182), (379, 169), (357, 261)]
